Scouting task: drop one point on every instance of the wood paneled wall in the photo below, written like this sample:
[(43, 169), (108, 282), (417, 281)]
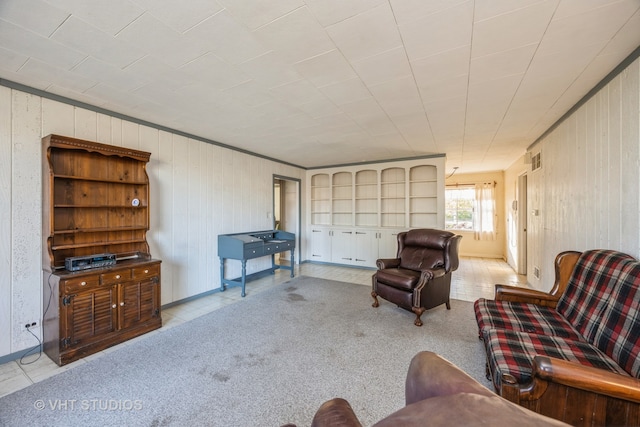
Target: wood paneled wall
[(587, 192), (198, 190)]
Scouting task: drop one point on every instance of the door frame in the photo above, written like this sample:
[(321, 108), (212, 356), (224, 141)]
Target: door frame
[(523, 219), (298, 209)]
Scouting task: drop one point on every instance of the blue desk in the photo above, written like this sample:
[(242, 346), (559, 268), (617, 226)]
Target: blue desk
[(246, 246)]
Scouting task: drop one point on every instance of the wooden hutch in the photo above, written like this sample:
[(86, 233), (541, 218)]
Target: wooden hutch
[(95, 202)]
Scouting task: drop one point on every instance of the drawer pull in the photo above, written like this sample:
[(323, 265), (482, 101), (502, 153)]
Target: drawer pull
[(117, 276), (83, 284), (122, 304), (113, 306), (146, 271)]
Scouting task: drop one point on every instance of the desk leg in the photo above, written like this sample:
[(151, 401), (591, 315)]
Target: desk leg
[(292, 262), (273, 263), (222, 287), (244, 275)]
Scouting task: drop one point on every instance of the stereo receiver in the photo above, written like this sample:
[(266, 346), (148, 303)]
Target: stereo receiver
[(78, 263)]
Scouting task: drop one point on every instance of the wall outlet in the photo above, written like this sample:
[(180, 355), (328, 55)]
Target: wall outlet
[(536, 272), (28, 325)]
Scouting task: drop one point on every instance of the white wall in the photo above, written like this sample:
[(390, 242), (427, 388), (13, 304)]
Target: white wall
[(587, 191), (198, 190)]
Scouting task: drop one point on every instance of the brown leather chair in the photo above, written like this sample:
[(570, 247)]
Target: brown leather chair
[(438, 393), (419, 278)]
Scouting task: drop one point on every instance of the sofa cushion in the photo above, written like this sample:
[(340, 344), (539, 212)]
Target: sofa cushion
[(618, 335), (532, 318), (589, 288), (512, 352)]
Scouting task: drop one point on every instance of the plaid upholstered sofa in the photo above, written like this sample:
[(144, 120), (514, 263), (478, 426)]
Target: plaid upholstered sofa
[(572, 353)]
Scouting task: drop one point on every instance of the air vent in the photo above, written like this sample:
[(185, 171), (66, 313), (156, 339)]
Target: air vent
[(536, 162)]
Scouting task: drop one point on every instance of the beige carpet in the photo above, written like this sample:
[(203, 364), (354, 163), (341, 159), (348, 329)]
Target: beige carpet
[(263, 361)]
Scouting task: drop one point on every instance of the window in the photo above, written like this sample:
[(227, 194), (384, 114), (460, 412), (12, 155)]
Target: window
[(458, 212)]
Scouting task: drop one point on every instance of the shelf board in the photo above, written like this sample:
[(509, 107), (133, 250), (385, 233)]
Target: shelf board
[(88, 245), (99, 230), (98, 206), (109, 181)]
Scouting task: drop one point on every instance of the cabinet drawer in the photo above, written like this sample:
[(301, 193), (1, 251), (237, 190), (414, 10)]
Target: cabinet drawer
[(250, 253), (146, 271), (80, 284), (115, 276)]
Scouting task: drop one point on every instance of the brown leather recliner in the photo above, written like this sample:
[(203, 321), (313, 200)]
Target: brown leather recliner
[(420, 277), (438, 393)]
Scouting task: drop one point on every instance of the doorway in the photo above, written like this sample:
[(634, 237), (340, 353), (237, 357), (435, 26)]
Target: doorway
[(287, 211)]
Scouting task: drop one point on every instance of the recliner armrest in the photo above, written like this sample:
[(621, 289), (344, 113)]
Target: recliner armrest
[(383, 263), (431, 375)]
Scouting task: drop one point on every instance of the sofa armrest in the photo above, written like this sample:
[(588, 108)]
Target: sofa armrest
[(387, 263), (530, 296), (335, 413), (587, 378), (576, 394)]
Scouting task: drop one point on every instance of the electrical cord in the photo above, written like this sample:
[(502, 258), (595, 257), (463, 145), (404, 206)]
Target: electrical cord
[(39, 345)]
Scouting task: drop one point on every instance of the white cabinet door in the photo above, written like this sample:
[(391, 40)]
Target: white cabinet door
[(342, 246), (366, 248), (320, 244), (388, 243)]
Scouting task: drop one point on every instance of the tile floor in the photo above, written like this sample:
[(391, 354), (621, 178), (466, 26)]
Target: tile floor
[(474, 279)]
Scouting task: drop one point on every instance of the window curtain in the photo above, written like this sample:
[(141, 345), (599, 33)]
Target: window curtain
[(485, 212)]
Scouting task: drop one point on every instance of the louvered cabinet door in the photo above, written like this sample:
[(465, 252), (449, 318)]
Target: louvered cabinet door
[(90, 315), (139, 301), (140, 298)]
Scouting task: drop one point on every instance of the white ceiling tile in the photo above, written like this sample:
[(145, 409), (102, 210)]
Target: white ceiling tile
[(58, 76), (568, 8), (269, 71), (214, 72), (256, 13), (443, 66), (389, 65), (87, 39), (29, 43), (110, 16), (412, 10), (161, 40), (295, 36), (398, 97), (249, 93), (367, 34), (319, 108), (368, 114), (586, 28), (176, 15), (11, 61), (346, 92), (296, 93), (486, 9), (329, 12), (437, 91), (511, 30), (227, 38), (22, 13), (501, 64), (439, 32), (92, 68), (326, 68)]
